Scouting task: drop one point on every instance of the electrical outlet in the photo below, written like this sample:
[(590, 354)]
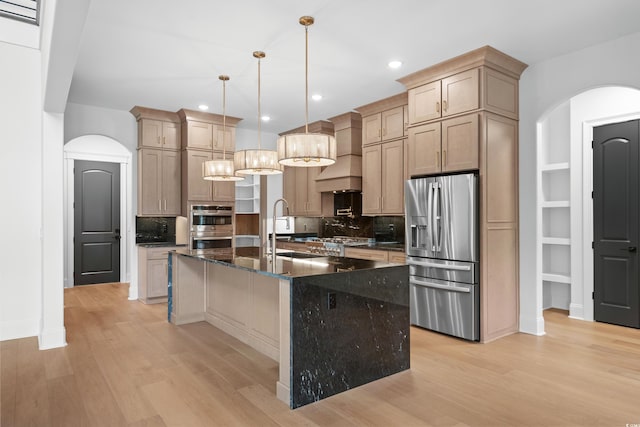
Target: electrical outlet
[(331, 300)]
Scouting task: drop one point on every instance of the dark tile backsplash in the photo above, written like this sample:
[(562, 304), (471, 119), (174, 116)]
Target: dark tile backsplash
[(381, 228), (155, 229)]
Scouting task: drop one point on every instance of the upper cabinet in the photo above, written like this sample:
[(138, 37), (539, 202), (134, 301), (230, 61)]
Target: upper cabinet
[(384, 120), (159, 162), (453, 95), (202, 140)]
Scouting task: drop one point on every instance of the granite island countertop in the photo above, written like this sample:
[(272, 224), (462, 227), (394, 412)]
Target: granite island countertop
[(290, 264)]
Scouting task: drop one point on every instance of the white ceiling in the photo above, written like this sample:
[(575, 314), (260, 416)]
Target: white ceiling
[(167, 54)]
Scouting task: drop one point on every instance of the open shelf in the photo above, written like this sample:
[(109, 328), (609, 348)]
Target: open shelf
[(555, 204), (554, 167), (556, 278), (556, 241)]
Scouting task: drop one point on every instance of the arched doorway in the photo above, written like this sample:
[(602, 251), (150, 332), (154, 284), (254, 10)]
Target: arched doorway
[(101, 149), (564, 226)]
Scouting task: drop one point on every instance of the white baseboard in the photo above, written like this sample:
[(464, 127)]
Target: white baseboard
[(52, 338), (576, 311), (533, 326), (15, 329)]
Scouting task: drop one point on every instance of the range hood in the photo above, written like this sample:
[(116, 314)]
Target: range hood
[(346, 173)]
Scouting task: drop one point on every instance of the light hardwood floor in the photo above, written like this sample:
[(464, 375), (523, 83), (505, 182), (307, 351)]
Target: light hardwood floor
[(126, 366)]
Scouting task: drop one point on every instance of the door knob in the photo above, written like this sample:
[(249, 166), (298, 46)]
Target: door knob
[(117, 234), (629, 249)]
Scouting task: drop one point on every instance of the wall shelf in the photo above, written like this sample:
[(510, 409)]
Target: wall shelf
[(556, 241), (556, 278), (555, 204), (554, 167)]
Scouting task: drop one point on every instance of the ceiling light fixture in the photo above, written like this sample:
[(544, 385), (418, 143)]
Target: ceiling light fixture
[(316, 97), (265, 118), (221, 169), (395, 64), (203, 107), (257, 162), (306, 149)]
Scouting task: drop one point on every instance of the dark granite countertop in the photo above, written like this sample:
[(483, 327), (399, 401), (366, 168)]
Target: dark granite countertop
[(290, 264), (160, 245), (387, 246)]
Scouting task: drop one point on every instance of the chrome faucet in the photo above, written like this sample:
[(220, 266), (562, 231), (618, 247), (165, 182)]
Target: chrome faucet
[(273, 232)]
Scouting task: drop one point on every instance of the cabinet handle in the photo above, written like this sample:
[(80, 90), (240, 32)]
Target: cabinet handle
[(158, 140), (444, 158), (159, 204), (164, 140), (165, 204), (437, 158), (437, 107), (444, 104)]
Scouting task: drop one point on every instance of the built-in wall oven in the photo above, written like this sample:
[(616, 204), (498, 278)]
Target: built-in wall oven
[(211, 229)]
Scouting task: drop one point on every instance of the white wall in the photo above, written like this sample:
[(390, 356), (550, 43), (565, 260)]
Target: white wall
[(21, 189), (543, 87)]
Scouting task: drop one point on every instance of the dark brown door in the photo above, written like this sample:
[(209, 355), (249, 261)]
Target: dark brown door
[(96, 222), (616, 190)]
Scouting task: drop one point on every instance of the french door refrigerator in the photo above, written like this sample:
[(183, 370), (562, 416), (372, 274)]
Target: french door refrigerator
[(443, 253)]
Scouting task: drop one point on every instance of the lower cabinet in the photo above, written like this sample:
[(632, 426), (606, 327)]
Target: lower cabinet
[(395, 257), (153, 274)]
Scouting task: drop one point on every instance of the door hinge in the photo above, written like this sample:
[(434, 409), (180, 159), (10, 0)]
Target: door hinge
[(593, 295), (592, 145), (592, 194), (593, 245)]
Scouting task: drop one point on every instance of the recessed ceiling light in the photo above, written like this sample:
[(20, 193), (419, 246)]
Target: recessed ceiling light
[(203, 107), (316, 97), (265, 118), (395, 64)]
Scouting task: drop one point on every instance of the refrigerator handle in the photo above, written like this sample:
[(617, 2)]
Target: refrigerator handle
[(439, 286), (437, 212), (430, 215)]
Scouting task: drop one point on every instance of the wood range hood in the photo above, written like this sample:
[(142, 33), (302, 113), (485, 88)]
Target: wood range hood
[(346, 173)]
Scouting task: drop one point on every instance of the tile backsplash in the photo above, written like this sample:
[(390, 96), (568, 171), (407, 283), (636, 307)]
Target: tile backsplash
[(155, 229), (388, 229)]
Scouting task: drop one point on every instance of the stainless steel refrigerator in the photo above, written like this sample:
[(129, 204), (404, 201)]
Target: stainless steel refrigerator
[(443, 253)]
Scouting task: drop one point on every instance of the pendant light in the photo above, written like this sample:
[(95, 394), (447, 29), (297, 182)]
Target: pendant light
[(221, 169), (306, 149), (257, 162)]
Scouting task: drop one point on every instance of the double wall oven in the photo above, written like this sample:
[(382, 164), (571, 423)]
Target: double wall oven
[(211, 229)]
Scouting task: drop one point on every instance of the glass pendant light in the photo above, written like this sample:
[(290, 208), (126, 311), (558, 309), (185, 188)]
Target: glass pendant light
[(306, 149), (257, 161), (221, 169)]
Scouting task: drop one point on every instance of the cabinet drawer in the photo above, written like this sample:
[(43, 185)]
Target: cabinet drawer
[(159, 253), (397, 257), (370, 254)]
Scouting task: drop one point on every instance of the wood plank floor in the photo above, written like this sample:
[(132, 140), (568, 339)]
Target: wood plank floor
[(126, 366)]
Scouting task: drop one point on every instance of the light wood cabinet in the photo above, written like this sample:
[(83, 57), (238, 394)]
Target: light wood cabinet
[(478, 121), (447, 146), (299, 189), (158, 134), (397, 257), (383, 178), (453, 95), (195, 188), (209, 136), (159, 162), (370, 254), (153, 274), (383, 126)]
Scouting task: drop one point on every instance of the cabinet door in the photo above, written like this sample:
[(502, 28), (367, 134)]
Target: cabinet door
[(197, 188), (149, 181), (150, 133), (229, 138), (200, 135), (392, 200), (171, 185), (392, 123), (157, 278), (314, 197), (289, 189), (171, 135), (460, 93), (371, 129), (371, 179), (423, 150), (460, 143), (424, 103), (300, 197)]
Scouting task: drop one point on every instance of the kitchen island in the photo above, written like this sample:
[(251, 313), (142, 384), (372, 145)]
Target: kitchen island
[(332, 323)]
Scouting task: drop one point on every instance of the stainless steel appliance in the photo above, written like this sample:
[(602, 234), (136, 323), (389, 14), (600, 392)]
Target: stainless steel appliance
[(211, 229), (443, 253), (334, 246)]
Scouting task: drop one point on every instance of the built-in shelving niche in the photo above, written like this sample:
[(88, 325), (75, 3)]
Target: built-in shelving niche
[(248, 211)]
